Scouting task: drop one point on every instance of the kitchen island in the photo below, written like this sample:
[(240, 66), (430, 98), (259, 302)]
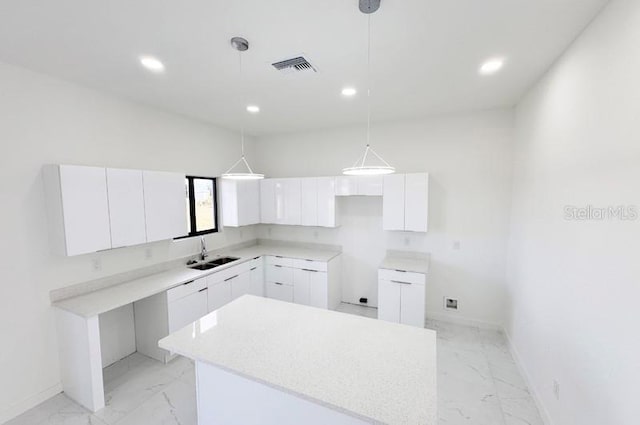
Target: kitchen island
[(262, 361)]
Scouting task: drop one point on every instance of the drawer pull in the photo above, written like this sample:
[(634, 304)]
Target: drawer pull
[(278, 283), (229, 278), (255, 258), (279, 256), (404, 283), (186, 283), (203, 289), (278, 266), (253, 268), (401, 271), (306, 259), (309, 270)]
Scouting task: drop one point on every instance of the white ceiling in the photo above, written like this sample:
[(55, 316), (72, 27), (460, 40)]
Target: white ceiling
[(425, 53)]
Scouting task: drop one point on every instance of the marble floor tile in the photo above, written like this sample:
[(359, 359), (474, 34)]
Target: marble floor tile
[(478, 384)]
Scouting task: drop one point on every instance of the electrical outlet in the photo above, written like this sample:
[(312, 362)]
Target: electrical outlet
[(96, 263), (556, 389), (450, 304), (148, 253)]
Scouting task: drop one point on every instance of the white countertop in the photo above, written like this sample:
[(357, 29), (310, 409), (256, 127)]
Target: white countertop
[(107, 299), (406, 261), (374, 370)]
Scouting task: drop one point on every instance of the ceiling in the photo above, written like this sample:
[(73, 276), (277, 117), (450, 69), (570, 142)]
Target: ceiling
[(425, 54)]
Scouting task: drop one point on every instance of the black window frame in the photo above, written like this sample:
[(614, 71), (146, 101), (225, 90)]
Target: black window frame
[(192, 207)]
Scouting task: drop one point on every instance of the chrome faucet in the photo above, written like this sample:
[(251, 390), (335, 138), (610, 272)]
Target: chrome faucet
[(203, 249)]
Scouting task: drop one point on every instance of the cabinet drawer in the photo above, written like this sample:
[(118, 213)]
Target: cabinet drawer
[(186, 289), (279, 274), (278, 261), (222, 275), (320, 266), (402, 277), (279, 292)]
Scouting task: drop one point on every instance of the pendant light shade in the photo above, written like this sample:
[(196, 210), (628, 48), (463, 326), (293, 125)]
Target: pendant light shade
[(361, 167), (244, 171)]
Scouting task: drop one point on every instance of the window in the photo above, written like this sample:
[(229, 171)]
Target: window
[(202, 208)]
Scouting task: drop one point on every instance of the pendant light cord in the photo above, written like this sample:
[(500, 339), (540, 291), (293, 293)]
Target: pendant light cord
[(241, 103), (368, 80)]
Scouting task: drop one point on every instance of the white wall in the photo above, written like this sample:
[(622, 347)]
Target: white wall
[(44, 120), (469, 159), (575, 285)]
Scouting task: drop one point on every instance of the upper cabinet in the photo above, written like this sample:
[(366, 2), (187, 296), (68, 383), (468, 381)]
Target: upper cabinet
[(327, 210), (405, 205), (240, 202), (93, 209), (126, 207), (78, 208), (359, 185), (164, 205)]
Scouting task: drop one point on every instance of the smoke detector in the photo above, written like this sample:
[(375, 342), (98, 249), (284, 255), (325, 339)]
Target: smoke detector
[(294, 65)]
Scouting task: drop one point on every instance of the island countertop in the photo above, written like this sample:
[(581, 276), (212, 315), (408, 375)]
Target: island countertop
[(378, 371)]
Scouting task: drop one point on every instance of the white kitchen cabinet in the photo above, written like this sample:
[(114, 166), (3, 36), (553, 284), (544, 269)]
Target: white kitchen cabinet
[(268, 201), (279, 291), (292, 202), (187, 309), (310, 287), (126, 207), (405, 205), (240, 202), (219, 293), (78, 208), (393, 202), (327, 209), (165, 205), (402, 297), (256, 281), (309, 204), (240, 285), (359, 185)]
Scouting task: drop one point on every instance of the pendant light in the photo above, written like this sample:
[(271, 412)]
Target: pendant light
[(241, 45), (361, 167)]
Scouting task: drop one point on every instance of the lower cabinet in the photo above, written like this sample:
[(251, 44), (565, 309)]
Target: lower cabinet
[(234, 282), (401, 297), (279, 291), (256, 279), (187, 310), (310, 287)]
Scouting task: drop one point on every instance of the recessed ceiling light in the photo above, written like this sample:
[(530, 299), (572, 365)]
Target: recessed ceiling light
[(253, 109), (151, 63), (349, 91), (492, 66)]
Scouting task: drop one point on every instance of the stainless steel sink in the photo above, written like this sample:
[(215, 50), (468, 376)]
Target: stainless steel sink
[(222, 260)]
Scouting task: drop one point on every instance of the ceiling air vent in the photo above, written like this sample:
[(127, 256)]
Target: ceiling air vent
[(297, 64)]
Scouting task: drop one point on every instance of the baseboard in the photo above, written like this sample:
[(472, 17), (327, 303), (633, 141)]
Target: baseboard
[(29, 403), (465, 321), (544, 413)]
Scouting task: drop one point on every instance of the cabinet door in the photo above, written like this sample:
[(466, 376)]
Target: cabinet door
[(388, 301), (219, 294), (85, 209), (346, 186), (416, 207), (165, 204), (229, 202), (267, 201), (240, 285), (393, 202), (279, 196), (126, 207), (248, 202), (370, 185), (301, 286), (256, 284), (292, 201), (318, 289), (327, 202), (412, 304), (279, 291), (309, 204), (187, 310)]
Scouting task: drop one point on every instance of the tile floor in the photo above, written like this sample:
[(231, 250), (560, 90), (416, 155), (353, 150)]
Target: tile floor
[(478, 384)]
